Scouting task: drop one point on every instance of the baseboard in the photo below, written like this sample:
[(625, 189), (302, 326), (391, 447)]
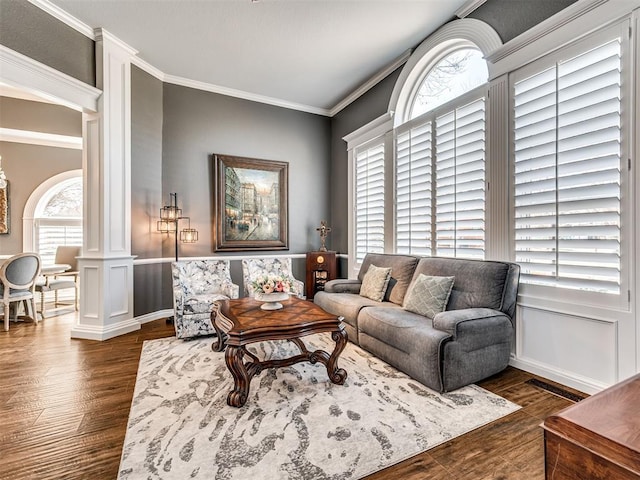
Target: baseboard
[(93, 332), (150, 317), (578, 382)]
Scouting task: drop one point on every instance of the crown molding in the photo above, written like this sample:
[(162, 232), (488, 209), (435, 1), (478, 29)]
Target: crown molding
[(469, 7), (147, 67), (102, 35), (64, 17), (544, 28), (372, 82), (232, 92), (40, 138), (18, 70)]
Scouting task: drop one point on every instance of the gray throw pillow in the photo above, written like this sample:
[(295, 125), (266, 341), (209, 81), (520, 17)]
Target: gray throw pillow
[(375, 282), (428, 295)]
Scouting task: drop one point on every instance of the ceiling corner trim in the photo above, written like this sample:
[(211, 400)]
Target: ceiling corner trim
[(372, 82), (469, 7), (147, 67), (232, 92), (64, 17)]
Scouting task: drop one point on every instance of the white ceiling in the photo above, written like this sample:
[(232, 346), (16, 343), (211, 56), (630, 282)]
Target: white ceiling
[(308, 54)]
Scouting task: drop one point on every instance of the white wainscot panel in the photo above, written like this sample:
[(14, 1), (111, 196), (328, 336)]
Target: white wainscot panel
[(577, 351), (91, 295), (118, 290)]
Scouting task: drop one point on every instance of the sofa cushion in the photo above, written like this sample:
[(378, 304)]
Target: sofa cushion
[(346, 305), (201, 303), (375, 282), (428, 295), (402, 267), (479, 283)]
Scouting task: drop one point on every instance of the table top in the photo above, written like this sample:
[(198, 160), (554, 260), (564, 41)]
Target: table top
[(245, 322), (607, 422)]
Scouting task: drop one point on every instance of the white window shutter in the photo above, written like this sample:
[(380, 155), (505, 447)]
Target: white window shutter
[(567, 172), (369, 204), (460, 180), (413, 190)]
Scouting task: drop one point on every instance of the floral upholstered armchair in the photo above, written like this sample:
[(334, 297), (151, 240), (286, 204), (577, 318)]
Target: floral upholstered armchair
[(196, 285), (253, 268)]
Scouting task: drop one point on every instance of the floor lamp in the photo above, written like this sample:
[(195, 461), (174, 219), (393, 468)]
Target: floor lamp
[(170, 215)]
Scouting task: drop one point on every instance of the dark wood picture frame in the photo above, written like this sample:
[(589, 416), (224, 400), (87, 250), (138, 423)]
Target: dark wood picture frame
[(250, 204)]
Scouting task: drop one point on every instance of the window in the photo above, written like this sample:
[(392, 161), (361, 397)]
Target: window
[(440, 175), (458, 72), (369, 199), (568, 163), (58, 218)]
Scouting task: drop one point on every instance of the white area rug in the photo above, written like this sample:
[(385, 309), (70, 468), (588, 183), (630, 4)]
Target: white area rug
[(296, 424)]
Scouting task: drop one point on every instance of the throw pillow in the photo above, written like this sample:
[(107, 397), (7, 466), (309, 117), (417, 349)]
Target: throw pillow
[(375, 282), (428, 295)]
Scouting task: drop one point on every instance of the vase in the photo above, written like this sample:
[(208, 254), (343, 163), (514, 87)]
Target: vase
[(271, 301)]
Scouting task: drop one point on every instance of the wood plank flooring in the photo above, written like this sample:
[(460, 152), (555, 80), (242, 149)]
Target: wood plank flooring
[(64, 405)]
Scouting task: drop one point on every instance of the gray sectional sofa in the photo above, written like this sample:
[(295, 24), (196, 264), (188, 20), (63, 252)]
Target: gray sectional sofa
[(467, 342)]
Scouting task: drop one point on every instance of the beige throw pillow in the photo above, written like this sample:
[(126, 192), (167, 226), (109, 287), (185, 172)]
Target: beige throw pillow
[(428, 295), (375, 282)]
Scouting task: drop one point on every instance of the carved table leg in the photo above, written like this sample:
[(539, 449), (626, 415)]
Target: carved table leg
[(241, 378), (337, 375), (217, 346)]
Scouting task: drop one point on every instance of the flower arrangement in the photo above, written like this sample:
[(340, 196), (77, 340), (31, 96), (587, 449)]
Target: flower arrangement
[(273, 284)]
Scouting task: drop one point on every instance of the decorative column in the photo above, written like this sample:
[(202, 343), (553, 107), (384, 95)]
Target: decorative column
[(106, 264)]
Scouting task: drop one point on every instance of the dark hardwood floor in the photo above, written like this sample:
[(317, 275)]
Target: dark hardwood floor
[(64, 405)]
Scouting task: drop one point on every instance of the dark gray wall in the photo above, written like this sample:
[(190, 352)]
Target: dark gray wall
[(368, 107), (39, 117), (146, 189), (198, 124), (29, 30), (26, 167), (510, 18)]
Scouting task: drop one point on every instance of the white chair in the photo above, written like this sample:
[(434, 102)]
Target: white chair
[(56, 281), (18, 276), (197, 284), (253, 268)]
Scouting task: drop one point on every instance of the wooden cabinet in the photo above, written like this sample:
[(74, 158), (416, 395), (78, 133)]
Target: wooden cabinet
[(321, 267), (597, 438)]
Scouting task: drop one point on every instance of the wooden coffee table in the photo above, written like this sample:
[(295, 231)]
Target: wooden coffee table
[(241, 322)]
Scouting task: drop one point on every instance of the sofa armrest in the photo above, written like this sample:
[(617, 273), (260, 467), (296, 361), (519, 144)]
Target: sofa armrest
[(455, 322), (343, 285)]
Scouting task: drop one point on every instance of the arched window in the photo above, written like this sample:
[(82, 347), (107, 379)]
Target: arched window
[(456, 73), (53, 215)]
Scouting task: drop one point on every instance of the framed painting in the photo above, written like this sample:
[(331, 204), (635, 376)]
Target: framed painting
[(4, 210), (250, 204)]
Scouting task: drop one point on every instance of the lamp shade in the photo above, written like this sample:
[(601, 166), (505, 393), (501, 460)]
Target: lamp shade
[(165, 226), (189, 235)]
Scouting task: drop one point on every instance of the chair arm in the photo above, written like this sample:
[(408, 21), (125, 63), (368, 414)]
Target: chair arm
[(456, 322), (178, 300), (343, 285), (298, 286), (231, 290)]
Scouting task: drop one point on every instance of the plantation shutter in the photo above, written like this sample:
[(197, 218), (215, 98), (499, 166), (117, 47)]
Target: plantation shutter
[(52, 233), (567, 172), (460, 177), (413, 190), (369, 207)]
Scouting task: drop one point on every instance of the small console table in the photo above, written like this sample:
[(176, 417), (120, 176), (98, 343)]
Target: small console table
[(321, 267), (597, 438)]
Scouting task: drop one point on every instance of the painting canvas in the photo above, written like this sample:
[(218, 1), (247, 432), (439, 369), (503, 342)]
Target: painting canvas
[(250, 203)]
